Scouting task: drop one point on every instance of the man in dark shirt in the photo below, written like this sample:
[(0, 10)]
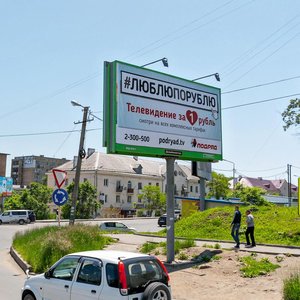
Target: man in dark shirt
[(235, 226)]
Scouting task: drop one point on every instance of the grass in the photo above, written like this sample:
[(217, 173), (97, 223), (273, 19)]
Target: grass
[(254, 268), (44, 246), (273, 225), (178, 245), (291, 288)]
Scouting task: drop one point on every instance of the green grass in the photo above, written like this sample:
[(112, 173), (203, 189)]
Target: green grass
[(291, 288), (44, 246), (254, 268), (178, 245), (273, 225)]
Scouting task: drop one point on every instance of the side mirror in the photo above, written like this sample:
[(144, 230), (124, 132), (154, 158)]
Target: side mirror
[(47, 274)]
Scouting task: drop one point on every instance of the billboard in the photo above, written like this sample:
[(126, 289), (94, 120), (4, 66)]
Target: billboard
[(148, 113), (6, 186)]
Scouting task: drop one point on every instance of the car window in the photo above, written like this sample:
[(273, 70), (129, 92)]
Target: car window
[(112, 275), (90, 272), (65, 269), (142, 272), (110, 224), (5, 214), (120, 225)]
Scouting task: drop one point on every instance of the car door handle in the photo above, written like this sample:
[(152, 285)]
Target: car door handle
[(66, 286), (93, 291)]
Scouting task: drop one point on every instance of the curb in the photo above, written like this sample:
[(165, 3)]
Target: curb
[(18, 259)]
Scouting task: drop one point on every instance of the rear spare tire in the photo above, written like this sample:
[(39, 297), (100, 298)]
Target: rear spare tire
[(156, 291)]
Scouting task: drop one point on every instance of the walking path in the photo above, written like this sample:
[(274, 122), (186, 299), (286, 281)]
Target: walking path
[(132, 241)]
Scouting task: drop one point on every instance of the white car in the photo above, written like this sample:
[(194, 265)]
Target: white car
[(21, 216), (115, 226), (101, 275)]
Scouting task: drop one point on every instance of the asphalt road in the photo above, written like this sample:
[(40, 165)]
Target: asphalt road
[(12, 277)]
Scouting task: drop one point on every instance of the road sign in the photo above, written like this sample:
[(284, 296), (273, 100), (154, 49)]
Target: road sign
[(59, 176), (60, 197)]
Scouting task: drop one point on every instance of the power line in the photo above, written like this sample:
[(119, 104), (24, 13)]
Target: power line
[(260, 85), (264, 170), (261, 101), (44, 133)]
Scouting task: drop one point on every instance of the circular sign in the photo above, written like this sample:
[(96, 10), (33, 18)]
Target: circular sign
[(60, 197)]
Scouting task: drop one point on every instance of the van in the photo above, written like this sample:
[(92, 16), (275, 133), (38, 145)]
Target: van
[(20, 216)]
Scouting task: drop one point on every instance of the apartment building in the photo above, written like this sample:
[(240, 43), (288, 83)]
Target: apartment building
[(27, 169), (119, 179)]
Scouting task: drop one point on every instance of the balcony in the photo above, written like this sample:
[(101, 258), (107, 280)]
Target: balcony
[(130, 190), (119, 189)]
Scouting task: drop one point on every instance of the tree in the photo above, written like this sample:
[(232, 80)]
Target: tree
[(250, 195), (218, 186), (87, 204), (36, 197), (153, 198), (291, 116)]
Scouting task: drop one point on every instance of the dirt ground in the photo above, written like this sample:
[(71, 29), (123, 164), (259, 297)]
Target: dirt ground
[(221, 278)]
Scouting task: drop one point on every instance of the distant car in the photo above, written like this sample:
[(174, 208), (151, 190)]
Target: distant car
[(115, 226), (162, 220), (20, 216), (101, 274)]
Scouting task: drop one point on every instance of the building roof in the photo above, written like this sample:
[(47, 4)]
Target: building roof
[(124, 164)]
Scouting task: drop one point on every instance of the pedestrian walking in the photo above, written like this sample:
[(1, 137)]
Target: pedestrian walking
[(250, 230), (235, 226)]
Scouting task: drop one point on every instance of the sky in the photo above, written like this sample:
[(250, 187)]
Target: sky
[(52, 52)]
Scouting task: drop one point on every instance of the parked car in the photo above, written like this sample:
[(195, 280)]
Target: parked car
[(20, 216), (115, 226), (101, 274), (32, 216)]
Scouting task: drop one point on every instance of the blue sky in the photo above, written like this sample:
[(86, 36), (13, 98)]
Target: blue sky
[(52, 52)]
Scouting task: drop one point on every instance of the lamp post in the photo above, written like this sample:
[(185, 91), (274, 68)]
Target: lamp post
[(233, 171), (81, 155), (164, 61), (217, 76)]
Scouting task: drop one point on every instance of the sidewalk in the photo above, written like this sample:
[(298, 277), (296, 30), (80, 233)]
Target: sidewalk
[(129, 242)]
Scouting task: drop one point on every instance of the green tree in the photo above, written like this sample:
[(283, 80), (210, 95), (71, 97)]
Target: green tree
[(218, 186), (291, 116), (250, 195), (36, 197), (87, 204), (153, 199)]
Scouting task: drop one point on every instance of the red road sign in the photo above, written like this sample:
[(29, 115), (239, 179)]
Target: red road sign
[(59, 176)]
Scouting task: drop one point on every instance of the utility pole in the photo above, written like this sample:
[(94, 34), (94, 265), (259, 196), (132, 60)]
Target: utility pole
[(289, 172), (81, 155)]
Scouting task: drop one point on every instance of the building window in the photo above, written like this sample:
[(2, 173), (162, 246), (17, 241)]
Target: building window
[(118, 199), (157, 184), (105, 198), (128, 199), (149, 183), (140, 186), (191, 188), (129, 185), (196, 189), (105, 182), (118, 183), (85, 180)]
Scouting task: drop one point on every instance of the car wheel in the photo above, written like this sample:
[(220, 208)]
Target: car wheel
[(156, 291), (29, 297), (21, 222), (0, 222)]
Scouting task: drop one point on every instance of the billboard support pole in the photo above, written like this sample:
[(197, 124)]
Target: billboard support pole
[(170, 209), (202, 194)]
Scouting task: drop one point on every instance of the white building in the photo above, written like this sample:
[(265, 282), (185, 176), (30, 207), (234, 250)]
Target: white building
[(119, 179)]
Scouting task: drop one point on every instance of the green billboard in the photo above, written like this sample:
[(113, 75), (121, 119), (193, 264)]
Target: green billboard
[(148, 113)]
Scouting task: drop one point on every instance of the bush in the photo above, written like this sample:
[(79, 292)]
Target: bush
[(291, 288)]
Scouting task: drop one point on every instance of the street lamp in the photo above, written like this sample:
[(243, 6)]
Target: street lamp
[(233, 171), (217, 76), (164, 61), (81, 155)]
